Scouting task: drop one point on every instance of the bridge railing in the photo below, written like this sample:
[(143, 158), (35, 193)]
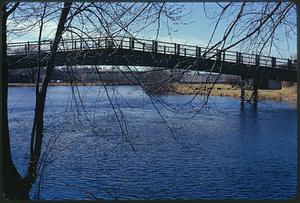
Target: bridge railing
[(149, 46), (27, 47)]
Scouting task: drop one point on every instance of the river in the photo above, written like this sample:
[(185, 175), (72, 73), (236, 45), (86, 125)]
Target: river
[(156, 151)]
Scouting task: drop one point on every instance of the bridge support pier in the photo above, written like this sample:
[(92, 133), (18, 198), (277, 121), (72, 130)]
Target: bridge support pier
[(242, 90), (255, 93)]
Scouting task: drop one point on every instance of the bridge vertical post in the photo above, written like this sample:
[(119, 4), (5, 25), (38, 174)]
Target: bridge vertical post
[(154, 46), (178, 49), (242, 90), (255, 93), (164, 49), (238, 57), (273, 62), (257, 60), (28, 47), (131, 43), (175, 48), (198, 52), (223, 56), (184, 51), (289, 63), (80, 44)]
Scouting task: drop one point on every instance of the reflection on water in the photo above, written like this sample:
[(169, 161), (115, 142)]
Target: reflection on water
[(225, 152)]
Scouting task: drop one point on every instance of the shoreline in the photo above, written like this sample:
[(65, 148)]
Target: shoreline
[(285, 94)]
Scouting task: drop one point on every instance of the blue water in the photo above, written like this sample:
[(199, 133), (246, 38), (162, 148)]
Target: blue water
[(161, 152)]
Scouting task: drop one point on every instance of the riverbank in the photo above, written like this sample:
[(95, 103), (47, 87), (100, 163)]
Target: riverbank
[(286, 93)]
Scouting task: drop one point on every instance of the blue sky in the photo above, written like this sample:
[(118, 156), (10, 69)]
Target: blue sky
[(199, 30)]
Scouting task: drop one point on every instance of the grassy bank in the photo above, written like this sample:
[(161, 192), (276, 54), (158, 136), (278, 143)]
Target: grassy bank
[(288, 93)]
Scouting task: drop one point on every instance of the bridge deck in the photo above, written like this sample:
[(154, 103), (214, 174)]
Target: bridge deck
[(140, 52)]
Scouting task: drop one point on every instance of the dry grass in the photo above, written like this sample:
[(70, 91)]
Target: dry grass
[(225, 90)]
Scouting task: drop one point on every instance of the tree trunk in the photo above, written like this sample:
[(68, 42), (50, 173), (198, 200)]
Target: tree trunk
[(12, 187), (38, 124)]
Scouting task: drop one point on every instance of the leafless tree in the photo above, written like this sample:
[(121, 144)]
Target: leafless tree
[(70, 18)]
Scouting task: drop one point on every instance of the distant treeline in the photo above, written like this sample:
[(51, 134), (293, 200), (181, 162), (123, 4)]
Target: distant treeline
[(119, 77)]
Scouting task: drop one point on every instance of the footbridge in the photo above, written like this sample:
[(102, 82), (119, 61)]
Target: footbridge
[(127, 51)]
